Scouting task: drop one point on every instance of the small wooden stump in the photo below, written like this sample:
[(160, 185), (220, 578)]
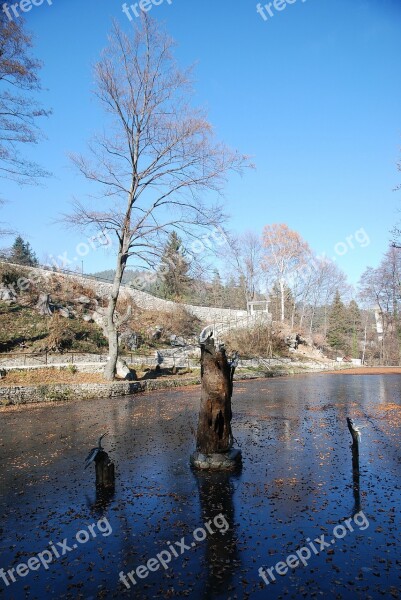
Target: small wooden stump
[(355, 435), (105, 475), (214, 436)]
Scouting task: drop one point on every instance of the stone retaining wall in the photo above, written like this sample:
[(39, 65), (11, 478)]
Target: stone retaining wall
[(85, 391)]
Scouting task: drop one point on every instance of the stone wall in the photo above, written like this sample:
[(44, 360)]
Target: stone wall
[(85, 391)]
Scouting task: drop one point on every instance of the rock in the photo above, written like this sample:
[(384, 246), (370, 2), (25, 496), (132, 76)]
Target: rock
[(177, 341), (217, 462), (83, 300), (123, 371), (158, 359), (65, 312), (7, 295), (3, 373), (130, 339), (87, 319), (157, 333)]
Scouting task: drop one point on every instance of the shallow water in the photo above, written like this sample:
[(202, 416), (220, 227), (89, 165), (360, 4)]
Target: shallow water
[(297, 483)]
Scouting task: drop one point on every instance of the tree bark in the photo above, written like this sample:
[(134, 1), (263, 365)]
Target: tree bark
[(111, 323), (105, 476), (282, 294), (214, 428)]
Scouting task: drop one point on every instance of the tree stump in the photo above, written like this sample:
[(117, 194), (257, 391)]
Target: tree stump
[(43, 305), (355, 433), (214, 444), (105, 476)]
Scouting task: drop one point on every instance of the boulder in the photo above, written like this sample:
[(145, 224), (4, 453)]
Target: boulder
[(177, 341), (7, 295), (130, 339), (157, 333), (123, 371), (83, 300)]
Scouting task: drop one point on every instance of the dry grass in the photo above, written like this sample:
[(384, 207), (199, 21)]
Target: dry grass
[(144, 322), (258, 341), (48, 376)]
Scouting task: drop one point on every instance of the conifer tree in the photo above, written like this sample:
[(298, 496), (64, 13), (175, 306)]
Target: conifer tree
[(22, 253)]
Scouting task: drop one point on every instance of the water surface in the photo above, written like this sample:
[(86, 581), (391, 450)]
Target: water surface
[(297, 483)]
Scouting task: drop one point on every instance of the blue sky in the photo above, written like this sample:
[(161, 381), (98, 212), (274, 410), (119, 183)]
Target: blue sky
[(313, 94)]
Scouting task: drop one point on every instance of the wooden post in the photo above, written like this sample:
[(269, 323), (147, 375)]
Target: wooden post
[(214, 436), (354, 431), (105, 475)]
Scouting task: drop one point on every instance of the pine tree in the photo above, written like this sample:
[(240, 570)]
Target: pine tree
[(338, 329), (217, 290), (176, 281), (22, 253), (355, 324)]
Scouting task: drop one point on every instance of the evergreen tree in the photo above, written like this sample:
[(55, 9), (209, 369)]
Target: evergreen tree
[(338, 329), (175, 268), (22, 253), (217, 290), (355, 325)]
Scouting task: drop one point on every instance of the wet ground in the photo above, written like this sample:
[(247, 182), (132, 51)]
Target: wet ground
[(297, 484)]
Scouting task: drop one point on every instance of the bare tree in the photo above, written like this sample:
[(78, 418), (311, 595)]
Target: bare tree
[(285, 251), (244, 261), (156, 160), (4, 229), (19, 110), (380, 290)]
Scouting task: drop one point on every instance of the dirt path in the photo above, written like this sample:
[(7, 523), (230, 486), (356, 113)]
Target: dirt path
[(367, 371)]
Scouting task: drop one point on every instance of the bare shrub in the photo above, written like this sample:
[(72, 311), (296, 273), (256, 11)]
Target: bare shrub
[(258, 341)]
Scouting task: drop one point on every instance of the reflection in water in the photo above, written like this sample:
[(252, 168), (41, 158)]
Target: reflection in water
[(103, 499), (356, 482), (216, 492)]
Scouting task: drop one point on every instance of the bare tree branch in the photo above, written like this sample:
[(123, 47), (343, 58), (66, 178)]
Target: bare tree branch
[(157, 160)]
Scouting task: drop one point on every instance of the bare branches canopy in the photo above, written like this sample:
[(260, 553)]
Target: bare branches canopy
[(157, 159), (19, 111)]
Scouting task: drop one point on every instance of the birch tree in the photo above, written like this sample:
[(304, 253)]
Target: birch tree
[(155, 161), (284, 252)]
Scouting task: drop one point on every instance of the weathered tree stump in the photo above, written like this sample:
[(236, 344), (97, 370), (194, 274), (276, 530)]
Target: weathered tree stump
[(105, 475), (43, 305), (356, 436), (214, 444)]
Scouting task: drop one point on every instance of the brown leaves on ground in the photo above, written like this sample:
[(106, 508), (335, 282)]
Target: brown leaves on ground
[(49, 376)]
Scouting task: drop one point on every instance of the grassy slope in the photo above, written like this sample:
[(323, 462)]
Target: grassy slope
[(23, 325)]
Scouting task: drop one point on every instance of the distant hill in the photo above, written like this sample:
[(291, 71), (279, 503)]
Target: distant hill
[(129, 275)]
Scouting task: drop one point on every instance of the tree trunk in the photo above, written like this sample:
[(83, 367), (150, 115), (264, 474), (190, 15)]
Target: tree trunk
[(111, 324), (282, 294), (105, 475), (214, 428)]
